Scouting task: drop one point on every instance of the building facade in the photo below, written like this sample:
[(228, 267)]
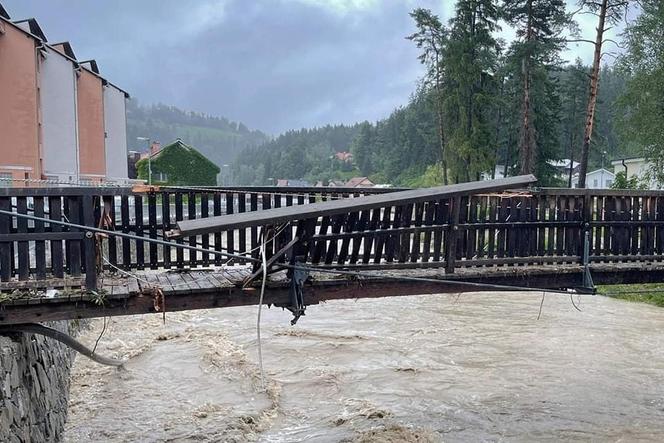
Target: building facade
[(60, 120)]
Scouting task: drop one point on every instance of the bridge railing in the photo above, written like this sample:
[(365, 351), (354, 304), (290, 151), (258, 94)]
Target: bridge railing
[(537, 227), (42, 254)]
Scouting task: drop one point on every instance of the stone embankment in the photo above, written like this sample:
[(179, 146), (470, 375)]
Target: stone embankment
[(34, 385)]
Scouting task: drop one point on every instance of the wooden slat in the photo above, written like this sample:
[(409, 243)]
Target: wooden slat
[(23, 246), (165, 226), (74, 246), (40, 245), (5, 248), (344, 206), (140, 244), (152, 230), (89, 244)]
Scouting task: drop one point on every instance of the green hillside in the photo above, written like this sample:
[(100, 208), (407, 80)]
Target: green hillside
[(218, 138)]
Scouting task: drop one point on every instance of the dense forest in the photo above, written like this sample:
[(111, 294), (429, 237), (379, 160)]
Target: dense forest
[(484, 103), (219, 139)]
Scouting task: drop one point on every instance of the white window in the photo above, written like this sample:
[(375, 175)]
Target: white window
[(594, 183)]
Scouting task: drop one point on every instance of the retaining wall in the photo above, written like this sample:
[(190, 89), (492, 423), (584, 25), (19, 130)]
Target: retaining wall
[(34, 385)]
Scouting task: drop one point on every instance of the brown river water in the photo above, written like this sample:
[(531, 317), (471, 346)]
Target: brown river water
[(477, 367)]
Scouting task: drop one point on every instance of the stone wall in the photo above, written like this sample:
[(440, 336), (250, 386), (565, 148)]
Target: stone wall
[(34, 385)]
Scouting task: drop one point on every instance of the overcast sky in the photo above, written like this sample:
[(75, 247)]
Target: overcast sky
[(272, 64)]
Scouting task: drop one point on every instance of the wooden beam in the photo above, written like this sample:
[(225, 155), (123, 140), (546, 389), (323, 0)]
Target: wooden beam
[(343, 206)]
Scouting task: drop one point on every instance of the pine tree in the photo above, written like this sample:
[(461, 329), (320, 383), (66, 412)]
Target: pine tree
[(539, 24), (431, 39), (471, 89)]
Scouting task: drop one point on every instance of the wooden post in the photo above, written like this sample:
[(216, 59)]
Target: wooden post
[(452, 233)]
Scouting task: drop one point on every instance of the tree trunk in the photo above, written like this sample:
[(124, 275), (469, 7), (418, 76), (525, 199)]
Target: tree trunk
[(441, 128), (527, 139), (527, 142), (592, 100)]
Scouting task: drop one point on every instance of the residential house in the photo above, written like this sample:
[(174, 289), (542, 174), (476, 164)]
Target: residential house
[(178, 164), (636, 167), (344, 156), (59, 119), (293, 183), (359, 182), (597, 179)]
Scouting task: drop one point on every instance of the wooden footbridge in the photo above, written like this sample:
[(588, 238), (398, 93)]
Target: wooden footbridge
[(71, 252)]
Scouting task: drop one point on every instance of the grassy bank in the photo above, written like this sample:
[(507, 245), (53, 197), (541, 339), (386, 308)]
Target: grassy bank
[(652, 293)]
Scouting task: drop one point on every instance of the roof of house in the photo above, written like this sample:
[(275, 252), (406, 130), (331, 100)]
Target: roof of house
[(606, 171), (91, 65), (628, 160), (359, 181), (65, 48), (32, 27), (343, 156), (4, 13), (185, 146)]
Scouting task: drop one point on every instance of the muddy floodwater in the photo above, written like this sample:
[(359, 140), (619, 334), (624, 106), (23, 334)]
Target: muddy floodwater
[(478, 367)]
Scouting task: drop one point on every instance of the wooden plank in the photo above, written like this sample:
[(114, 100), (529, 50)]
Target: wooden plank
[(451, 243), (191, 215), (216, 237), (74, 256), (40, 245), (89, 244), (241, 208), (125, 222), (230, 233), (429, 215), (253, 231), (5, 248), (138, 222), (152, 230), (179, 216), (360, 240), (165, 226), (23, 246), (344, 206), (57, 258), (205, 239)]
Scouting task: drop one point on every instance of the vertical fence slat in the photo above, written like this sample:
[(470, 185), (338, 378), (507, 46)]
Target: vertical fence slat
[(166, 226), (5, 247), (74, 255), (23, 246), (138, 223), (88, 218), (205, 213), (40, 245), (152, 229)]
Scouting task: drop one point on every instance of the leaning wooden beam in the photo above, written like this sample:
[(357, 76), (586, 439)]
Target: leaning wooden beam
[(343, 206)]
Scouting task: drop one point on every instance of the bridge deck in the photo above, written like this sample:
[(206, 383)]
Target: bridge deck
[(217, 287)]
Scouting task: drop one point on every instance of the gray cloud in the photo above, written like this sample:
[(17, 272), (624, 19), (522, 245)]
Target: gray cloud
[(272, 64)]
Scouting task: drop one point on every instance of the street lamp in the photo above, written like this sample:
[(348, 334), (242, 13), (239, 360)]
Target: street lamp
[(147, 139)]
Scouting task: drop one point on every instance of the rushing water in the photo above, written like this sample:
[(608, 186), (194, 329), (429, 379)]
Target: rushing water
[(479, 367)]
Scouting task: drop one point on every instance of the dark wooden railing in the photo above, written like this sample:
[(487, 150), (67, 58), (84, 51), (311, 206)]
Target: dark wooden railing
[(537, 227), (43, 254)]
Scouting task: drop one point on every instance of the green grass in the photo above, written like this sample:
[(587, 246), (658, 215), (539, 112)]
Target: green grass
[(651, 293)]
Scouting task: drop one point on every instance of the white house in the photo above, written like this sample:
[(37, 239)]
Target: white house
[(638, 167), (598, 179)]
